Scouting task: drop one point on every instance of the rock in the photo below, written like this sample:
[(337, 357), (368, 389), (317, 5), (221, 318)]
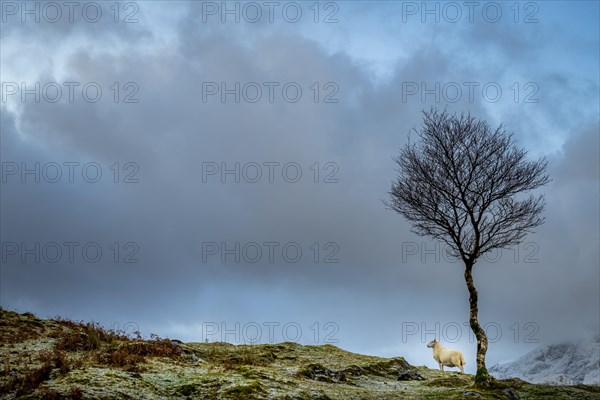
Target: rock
[(318, 372), (191, 357), (510, 393), (352, 370), (471, 394), (410, 375), (570, 363), (55, 373)]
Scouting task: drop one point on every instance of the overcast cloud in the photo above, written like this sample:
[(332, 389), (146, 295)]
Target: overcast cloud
[(167, 210)]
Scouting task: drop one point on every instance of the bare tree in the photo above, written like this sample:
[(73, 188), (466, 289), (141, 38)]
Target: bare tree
[(463, 183)]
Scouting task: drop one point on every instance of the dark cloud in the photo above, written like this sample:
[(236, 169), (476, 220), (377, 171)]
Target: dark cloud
[(375, 291)]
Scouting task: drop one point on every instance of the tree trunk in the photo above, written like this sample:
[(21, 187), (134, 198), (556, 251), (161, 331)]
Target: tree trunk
[(482, 378)]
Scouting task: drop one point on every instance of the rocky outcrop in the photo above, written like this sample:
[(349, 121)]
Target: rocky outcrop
[(561, 364)]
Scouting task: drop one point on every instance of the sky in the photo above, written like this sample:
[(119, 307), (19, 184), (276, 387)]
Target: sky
[(215, 171)]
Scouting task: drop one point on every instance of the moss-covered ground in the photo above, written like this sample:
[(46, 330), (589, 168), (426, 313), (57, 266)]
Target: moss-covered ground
[(60, 359)]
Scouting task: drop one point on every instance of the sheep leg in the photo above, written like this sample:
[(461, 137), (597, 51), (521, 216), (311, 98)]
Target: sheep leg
[(442, 367)]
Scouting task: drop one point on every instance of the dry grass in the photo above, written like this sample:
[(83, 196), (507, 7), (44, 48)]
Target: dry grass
[(77, 344), (27, 382), (82, 336), (113, 348), (15, 328), (130, 355), (232, 357)]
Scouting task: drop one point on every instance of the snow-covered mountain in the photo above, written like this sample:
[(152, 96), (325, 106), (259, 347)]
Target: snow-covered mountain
[(561, 364)]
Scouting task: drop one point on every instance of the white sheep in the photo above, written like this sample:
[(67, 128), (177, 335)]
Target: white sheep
[(446, 357)]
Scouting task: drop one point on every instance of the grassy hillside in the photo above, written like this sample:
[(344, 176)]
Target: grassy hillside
[(52, 359)]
